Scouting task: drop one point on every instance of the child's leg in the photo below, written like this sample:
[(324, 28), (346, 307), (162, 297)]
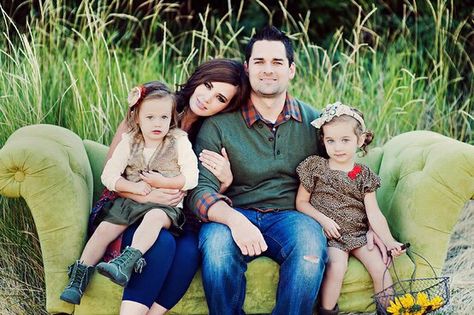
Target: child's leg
[(95, 248), (148, 230), (332, 282), (372, 260)]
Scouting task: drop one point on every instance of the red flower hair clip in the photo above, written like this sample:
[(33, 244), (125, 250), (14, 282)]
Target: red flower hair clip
[(355, 171), (136, 95)]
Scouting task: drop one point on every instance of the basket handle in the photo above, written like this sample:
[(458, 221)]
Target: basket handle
[(392, 262), (403, 247), (406, 246)]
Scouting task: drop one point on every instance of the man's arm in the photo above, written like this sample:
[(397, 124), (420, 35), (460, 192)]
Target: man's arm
[(246, 235), (208, 204), (201, 198)]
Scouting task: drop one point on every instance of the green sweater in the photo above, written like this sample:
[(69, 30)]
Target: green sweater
[(263, 163)]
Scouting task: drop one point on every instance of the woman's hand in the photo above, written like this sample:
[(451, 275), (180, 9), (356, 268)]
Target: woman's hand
[(218, 165), (331, 228), (170, 197)]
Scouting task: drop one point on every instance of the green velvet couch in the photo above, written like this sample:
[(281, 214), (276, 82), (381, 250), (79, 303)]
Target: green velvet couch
[(426, 180)]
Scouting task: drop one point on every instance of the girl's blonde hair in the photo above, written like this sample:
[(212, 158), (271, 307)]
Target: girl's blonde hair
[(148, 91)]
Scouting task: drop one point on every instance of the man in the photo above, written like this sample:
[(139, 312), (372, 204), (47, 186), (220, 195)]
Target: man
[(265, 141)]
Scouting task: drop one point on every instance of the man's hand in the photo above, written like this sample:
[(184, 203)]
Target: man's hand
[(247, 237), (373, 238)]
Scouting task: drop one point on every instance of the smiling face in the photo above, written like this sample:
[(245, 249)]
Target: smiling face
[(268, 69), (211, 97), (154, 119), (341, 142)]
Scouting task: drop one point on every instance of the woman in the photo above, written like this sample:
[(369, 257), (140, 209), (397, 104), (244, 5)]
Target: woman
[(219, 85)]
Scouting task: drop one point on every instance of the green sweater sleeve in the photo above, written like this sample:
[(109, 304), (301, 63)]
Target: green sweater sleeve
[(201, 198)]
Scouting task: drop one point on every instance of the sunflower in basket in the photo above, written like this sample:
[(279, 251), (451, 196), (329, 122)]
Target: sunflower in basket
[(409, 305)]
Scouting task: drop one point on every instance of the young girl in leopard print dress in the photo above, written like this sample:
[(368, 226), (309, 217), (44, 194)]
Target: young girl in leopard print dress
[(340, 194)]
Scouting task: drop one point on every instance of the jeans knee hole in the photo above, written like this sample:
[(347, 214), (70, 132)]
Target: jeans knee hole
[(311, 259)]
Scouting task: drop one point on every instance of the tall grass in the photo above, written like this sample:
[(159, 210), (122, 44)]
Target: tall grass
[(73, 67)]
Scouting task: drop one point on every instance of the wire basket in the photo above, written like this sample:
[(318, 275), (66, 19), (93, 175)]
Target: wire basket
[(416, 296)]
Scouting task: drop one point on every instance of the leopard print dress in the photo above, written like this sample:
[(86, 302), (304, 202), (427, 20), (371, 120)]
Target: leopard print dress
[(340, 196)]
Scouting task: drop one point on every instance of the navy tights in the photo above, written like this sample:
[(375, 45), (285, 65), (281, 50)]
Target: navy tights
[(171, 265)]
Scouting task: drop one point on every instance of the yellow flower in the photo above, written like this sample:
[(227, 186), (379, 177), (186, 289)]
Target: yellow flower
[(395, 307), (422, 299), (407, 301), (436, 302), (408, 305)]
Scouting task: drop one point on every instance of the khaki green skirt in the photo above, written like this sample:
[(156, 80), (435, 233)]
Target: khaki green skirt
[(125, 211)]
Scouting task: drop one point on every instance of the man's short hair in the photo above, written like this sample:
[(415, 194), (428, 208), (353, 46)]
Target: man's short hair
[(271, 33)]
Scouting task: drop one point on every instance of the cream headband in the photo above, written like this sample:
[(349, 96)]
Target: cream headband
[(136, 95), (335, 110)]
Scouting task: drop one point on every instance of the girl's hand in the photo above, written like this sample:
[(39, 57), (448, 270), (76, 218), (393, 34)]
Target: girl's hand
[(374, 239), (218, 165), (141, 188), (395, 248), (331, 228), (153, 178)]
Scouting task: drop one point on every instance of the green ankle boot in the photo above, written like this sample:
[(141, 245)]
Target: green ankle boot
[(79, 277), (120, 269)]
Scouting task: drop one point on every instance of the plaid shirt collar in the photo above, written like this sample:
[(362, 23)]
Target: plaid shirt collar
[(290, 110)]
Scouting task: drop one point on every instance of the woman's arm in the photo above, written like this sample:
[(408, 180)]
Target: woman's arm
[(170, 197), (331, 228), (156, 180)]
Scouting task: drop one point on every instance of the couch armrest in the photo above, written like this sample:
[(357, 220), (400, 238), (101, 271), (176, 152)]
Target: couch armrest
[(48, 166), (96, 153), (426, 180)]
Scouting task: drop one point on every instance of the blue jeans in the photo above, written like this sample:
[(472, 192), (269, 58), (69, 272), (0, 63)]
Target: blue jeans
[(295, 241)]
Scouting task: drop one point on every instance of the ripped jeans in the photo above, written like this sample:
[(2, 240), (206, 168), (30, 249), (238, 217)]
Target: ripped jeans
[(295, 241)]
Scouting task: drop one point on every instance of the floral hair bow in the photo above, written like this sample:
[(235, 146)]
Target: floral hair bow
[(136, 95), (335, 110)]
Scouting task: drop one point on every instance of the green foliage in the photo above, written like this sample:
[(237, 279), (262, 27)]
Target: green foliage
[(73, 66)]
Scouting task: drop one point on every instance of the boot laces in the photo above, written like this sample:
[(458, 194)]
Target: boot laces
[(75, 275), (139, 265), (122, 259)]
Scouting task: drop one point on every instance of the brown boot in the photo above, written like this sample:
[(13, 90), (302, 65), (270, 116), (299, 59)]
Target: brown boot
[(323, 311)]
